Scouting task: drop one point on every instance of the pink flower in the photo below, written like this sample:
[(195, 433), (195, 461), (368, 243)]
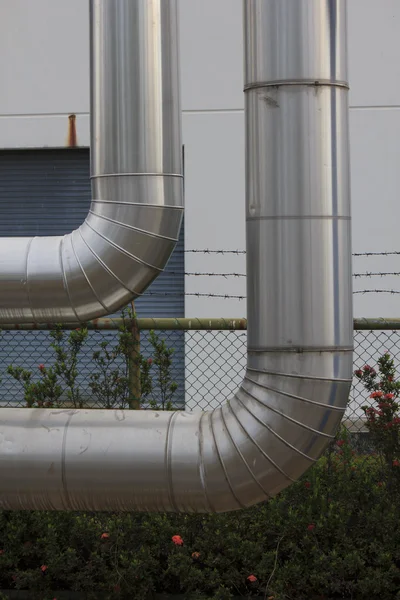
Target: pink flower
[(43, 568), (2, 551), (104, 536), (396, 463), (196, 555), (41, 367), (340, 443), (178, 541), (311, 527), (252, 578), (149, 361)]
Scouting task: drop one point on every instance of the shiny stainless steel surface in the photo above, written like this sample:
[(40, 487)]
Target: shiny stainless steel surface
[(135, 215), (299, 311), (295, 40)]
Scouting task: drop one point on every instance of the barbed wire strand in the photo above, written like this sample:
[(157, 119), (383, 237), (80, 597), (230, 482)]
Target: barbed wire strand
[(209, 251), (226, 275), (232, 296)]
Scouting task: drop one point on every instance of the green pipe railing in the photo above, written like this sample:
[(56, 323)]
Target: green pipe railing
[(187, 324)]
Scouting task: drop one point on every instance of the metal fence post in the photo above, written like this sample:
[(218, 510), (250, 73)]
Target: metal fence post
[(135, 391)]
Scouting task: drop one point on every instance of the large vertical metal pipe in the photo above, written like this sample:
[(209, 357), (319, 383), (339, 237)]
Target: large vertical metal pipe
[(299, 294)]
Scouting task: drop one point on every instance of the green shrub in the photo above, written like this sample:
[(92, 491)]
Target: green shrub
[(333, 535)]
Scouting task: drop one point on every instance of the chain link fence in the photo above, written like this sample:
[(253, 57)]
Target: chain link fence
[(205, 365)]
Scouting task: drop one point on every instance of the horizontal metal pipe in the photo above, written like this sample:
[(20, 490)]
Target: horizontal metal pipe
[(299, 366)]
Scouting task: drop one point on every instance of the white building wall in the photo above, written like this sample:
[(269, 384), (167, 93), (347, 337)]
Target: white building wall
[(44, 70)]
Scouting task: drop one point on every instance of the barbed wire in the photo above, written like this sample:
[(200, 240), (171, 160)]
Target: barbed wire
[(392, 253), (226, 275), (197, 294), (209, 251), (376, 274), (235, 297), (376, 292)]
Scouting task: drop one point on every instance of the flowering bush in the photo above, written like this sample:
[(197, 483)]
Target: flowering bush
[(335, 534), (382, 415)]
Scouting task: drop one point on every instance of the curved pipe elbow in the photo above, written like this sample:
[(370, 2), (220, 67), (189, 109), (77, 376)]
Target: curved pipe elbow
[(98, 268), (240, 454)]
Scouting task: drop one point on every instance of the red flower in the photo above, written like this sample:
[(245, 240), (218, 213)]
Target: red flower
[(311, 527), (340, 443), (396, 463), (384, 405), (389, 378), (43, 568), (358, 373), (2, 551), (252, 578), (380, 483), (369, 369), (196, 555), (178, 541), (389, 396), (117, 588), (376, 394), (105, 536), (307, 484), (149, 361), (41, 367)]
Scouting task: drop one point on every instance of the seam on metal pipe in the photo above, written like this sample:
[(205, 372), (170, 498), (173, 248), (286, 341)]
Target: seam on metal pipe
[(136, 175), (149, 233), (97, 257), (300, 324), (122, 249), (65, 279), (295, 82)]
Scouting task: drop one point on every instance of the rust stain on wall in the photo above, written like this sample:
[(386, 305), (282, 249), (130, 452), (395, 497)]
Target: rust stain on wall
[(72, 139)]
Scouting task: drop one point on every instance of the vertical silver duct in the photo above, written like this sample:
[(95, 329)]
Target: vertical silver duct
[(137, 186), (299, 300)]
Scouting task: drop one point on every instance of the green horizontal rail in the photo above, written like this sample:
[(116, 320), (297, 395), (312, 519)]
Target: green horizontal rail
[(143, 324), (195, 324), (379, 324)]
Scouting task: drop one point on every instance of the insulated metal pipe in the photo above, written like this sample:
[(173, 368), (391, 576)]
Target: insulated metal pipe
[(137, 185), (299, 310)]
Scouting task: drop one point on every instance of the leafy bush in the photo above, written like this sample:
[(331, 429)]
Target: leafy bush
[(122, 377), (335, 534), (382, 416)]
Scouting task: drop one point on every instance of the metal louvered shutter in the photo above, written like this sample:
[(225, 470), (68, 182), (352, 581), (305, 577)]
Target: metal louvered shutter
[(47, 192)]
